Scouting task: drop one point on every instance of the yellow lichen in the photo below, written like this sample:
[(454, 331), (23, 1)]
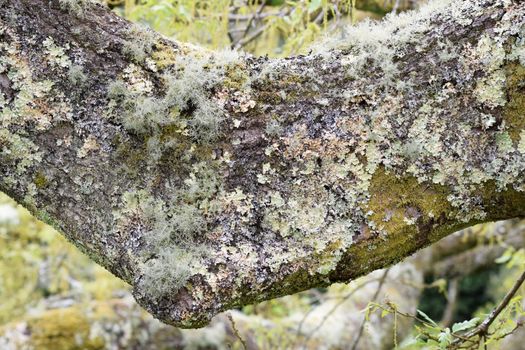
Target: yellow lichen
[(164, 56)]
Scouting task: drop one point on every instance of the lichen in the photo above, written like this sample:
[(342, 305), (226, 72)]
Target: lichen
[(56, 55), (173, 228), (76, 7), (140, 44), (491, 89), (76, 75)]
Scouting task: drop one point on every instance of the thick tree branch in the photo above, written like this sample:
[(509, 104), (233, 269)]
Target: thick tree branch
[(212, 180)]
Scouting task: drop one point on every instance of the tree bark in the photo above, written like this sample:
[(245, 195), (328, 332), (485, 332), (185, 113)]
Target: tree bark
[(211, 180)]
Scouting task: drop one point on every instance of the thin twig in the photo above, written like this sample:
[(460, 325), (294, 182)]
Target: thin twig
[(245, 41), (396, 7), (452, 301), (331, 311), (255, 15), (483, 328), (236, 331), (376, 294)]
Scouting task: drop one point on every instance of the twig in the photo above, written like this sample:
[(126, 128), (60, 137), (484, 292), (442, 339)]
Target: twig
[(452, 299), (376, 294), (255, 15), (329, 313), (236, 17), (483, 328), (396, 6), (248, 39), (236, 331)]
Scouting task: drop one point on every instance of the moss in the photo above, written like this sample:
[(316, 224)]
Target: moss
[(501, 204), (164, 56), (235, 76), (397, 202), (514, 112), (67, 329), (40, 180)]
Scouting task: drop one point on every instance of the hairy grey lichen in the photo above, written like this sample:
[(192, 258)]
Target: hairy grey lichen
[(174, 226), (188, 102), (77, 7), (76, 75), (169, 271), (189, 88), (140, 43)]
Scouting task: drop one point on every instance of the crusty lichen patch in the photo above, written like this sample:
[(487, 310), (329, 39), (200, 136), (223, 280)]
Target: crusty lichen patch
[(490, 90)]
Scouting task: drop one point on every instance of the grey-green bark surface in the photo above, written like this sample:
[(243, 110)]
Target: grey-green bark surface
[(210, 180)]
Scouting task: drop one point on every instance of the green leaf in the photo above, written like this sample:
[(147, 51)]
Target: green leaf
[(445, 338), (428, 319), (506, 256), (461, 326)]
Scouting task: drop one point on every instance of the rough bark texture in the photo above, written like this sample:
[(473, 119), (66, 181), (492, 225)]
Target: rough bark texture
[(213, 180)]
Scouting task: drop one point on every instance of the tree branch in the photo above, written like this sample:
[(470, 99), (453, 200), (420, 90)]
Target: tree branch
[(210, 180)]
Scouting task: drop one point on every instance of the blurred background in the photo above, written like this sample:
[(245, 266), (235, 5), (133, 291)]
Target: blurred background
[(54, 297)]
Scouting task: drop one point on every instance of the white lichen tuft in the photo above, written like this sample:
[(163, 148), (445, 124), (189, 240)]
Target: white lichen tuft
[(76, 75), (139, 45), (79, 7)]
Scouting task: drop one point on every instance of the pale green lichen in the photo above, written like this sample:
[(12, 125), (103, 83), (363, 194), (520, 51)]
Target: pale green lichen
[(18, 150), (491, 89), (139, 46), (56, 55), (273, 128), (521, 144), (20, 111), (77, 7), (187, 88), (90, 145), (76, 75)]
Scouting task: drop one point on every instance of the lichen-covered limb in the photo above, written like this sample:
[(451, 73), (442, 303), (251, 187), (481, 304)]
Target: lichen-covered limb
[(209, 180)]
